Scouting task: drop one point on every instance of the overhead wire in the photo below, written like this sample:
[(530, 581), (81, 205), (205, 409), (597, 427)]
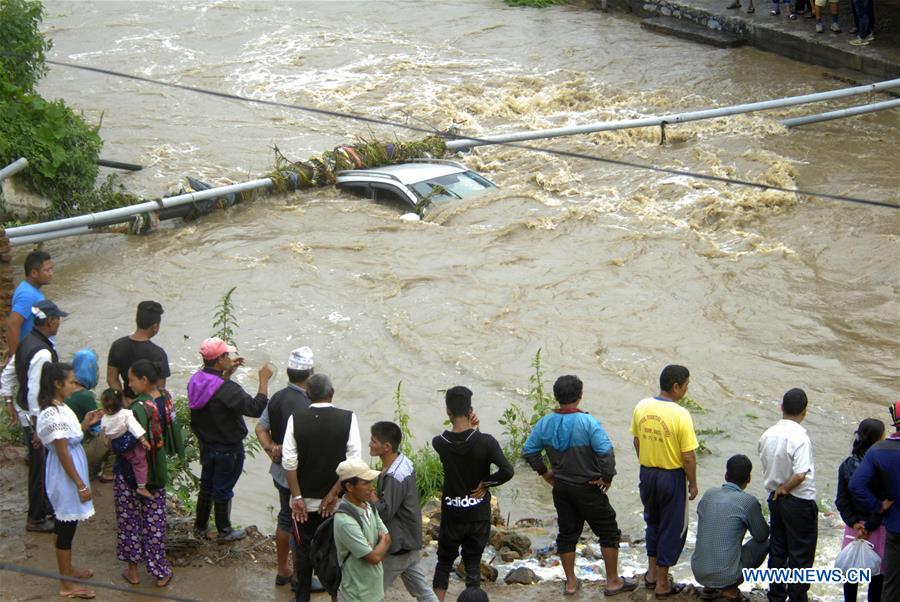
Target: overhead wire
[(541, 149)]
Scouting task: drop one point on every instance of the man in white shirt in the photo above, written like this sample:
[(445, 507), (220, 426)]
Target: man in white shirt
[(316, 440), (788, 474)]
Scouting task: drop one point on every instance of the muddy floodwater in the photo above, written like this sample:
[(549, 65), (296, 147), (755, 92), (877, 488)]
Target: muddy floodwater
[(612, 272)]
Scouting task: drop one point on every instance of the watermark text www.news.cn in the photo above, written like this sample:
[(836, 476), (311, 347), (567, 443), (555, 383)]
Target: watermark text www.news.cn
[(810, 575)]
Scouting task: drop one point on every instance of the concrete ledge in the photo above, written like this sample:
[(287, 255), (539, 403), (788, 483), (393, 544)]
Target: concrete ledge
[(689, 30), (794, 39)]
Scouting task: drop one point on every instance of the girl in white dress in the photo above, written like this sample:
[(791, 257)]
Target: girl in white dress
[(66, 470)]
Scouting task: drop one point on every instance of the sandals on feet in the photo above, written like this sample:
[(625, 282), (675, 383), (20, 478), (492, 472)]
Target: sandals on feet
[(751, 10), (674, 589), (628, 585), (734, 5), (165, 580), (774, 12), (649, 584)]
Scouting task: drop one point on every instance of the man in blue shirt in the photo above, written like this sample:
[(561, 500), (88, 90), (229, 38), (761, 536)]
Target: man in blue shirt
[(881, 465), (583, 465), (38, 272)]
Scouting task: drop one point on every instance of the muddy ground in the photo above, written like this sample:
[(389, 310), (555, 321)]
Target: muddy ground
[(203, 571)]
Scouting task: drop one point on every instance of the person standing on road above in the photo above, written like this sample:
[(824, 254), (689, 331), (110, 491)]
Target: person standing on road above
[(38, 273), (466, 455), (137, 346), (583, 465), (218, 406), (664, 441), (788, 475)]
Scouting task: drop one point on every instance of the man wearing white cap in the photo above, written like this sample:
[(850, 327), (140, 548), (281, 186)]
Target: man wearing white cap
[(362, 541), (218, 406), (270, 432)]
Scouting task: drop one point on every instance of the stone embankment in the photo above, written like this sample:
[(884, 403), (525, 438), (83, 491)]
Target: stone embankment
[(796, 39)]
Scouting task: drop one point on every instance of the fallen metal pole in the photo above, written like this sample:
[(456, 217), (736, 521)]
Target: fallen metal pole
[(33, 239), (674, 118), (13, 168), (841, 113), (119, 165), (112, 215)]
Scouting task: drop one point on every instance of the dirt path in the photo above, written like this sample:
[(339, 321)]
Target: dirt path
[(240, 571)]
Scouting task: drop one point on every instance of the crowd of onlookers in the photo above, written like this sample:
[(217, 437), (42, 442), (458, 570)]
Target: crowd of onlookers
[(360, 529), (863, 12)]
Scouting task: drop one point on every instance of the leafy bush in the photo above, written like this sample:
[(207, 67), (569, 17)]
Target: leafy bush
[(22, 47), (61, 148), (429, 470), (517, 424)]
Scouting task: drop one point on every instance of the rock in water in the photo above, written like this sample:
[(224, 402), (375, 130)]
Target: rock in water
[(522, 575)]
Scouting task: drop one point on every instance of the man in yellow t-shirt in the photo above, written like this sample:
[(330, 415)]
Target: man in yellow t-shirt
[(665, 441)]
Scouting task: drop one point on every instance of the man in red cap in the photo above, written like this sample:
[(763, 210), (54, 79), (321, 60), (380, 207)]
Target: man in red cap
[(218, 406), (880, 471)]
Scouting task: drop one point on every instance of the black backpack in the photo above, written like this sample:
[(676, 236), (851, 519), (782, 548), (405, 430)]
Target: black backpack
[(324, 551)]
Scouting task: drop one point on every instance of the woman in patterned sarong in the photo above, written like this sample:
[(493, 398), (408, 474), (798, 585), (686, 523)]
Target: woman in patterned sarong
[(142, 520)]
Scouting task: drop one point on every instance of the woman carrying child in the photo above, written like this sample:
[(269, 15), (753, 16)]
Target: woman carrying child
[(142, 520), (66, 470), (120, 427)]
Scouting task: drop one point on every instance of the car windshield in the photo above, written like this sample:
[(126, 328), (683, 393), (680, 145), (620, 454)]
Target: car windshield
[(451, 186)]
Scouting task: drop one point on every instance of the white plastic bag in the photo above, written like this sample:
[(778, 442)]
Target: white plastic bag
[(858, 554)]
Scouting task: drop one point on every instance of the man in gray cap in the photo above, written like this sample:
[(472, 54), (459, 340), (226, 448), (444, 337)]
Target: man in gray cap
[(270, 432), (24, 371)]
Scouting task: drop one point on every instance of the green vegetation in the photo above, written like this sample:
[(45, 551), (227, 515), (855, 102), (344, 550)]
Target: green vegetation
[(61, 148), (691, 404), (429, 471), (225, 324), (10, 434), (517, 424), (182, 480)]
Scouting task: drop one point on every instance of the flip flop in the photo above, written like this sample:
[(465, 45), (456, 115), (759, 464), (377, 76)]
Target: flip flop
[(628, 585), (83, 573), (649, 584), (128, 579), (282, 579), (577, 588), (165, 580), (676, 588), (84, 594)]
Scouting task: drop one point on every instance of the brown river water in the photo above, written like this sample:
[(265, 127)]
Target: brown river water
[(612, 272)]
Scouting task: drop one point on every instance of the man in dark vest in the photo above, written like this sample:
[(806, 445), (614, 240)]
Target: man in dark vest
[(35, 350), (316, 440), (218, 406), (270, 432)]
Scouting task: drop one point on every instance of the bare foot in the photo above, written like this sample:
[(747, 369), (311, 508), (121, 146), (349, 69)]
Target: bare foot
[(144, 492), (165, 580), (131, 576), (83, 573)]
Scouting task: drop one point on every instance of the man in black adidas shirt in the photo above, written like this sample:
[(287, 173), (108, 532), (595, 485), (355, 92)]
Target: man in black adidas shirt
[(467, 455)]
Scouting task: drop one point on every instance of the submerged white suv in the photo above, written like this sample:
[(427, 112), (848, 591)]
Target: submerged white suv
[(416, 183)]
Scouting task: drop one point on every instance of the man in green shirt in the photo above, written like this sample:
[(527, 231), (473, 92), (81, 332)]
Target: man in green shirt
[(362, 541)]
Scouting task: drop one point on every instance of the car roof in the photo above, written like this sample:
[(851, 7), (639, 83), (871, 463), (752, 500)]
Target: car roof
[(408, 173)]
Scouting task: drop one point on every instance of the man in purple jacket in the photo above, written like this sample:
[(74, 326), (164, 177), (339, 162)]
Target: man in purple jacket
[(218, 406), (881, 465)]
